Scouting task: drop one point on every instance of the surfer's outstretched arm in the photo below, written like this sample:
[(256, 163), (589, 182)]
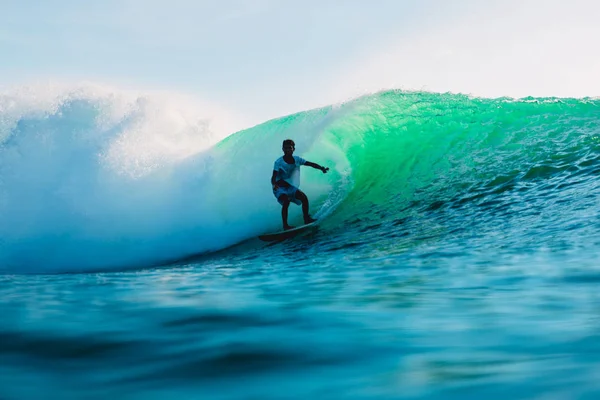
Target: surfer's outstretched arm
[(317, 166)]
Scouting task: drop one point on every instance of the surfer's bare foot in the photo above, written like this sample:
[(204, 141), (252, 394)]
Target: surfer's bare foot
[(309, 220), (288, 227)]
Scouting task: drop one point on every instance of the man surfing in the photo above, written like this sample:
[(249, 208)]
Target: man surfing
[(286, 179)]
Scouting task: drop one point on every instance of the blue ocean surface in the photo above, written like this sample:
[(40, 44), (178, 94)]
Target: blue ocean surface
[(455, 258)]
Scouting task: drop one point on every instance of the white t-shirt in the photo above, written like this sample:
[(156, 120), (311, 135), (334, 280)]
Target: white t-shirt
[(289, 172)]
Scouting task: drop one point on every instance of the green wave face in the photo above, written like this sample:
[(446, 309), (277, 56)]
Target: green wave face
[(397, 154), (416, 151)]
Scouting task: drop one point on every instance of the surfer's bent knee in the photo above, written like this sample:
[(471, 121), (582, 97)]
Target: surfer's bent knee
[(284, 200)]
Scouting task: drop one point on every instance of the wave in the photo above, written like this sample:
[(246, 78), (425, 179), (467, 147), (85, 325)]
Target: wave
[(105, 181)]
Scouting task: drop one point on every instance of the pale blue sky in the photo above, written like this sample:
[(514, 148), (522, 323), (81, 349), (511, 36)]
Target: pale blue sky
[(266, 57)]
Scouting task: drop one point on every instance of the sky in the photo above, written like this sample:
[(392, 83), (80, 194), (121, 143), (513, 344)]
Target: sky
[(267, 58)]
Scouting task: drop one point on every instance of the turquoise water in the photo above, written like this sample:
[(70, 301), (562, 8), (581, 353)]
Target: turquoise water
[(455, 258)]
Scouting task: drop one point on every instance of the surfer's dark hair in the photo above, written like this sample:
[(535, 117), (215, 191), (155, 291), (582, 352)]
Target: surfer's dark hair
[(288, 141)]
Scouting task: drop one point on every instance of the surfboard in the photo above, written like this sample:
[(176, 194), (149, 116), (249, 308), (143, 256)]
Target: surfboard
[(282, 235)]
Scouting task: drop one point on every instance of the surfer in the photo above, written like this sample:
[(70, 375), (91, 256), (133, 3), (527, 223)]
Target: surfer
[(286, 179)]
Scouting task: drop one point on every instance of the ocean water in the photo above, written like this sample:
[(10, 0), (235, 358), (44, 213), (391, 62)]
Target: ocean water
[(456, 255)]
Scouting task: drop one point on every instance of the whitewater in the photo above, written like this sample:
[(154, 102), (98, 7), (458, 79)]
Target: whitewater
[(455, 257)]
